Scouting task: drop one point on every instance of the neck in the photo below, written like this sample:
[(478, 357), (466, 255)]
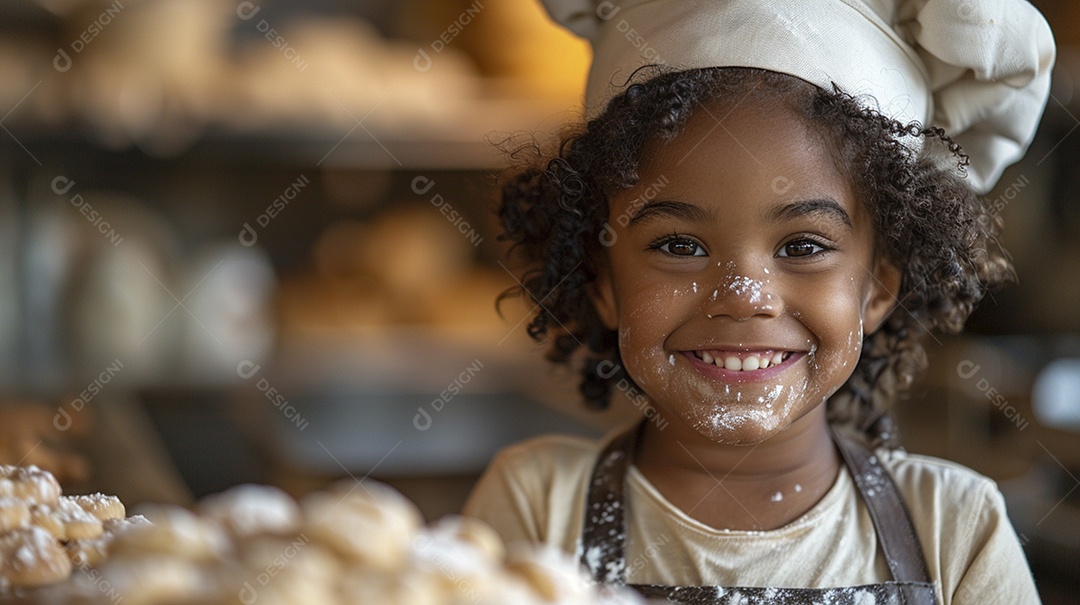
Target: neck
[(762, 486)]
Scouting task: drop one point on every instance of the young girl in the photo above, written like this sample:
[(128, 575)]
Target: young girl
[(760, 254)]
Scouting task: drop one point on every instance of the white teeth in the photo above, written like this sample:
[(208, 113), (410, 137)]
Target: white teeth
[(734, 363)]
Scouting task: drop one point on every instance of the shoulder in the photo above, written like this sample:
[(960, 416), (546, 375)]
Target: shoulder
[(535, 490), (544, 460), (549, 462), (549, 449), (925, 478), (943, 497), (970, 545)]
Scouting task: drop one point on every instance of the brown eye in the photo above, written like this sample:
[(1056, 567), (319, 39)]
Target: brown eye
[(682, 247), (800, 248)]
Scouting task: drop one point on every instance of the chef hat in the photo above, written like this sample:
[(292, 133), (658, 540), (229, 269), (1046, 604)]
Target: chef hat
[(979, 69)]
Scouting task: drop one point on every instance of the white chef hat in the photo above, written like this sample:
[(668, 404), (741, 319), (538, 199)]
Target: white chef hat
[(979, 69)]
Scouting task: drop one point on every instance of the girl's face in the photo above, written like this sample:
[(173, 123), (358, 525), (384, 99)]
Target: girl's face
[(741, 274)]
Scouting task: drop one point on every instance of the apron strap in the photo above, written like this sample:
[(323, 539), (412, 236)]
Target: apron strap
[(890, 593), (895, 530), (603, 539)]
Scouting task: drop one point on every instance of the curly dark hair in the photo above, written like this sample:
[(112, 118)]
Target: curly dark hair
[(929, 223)]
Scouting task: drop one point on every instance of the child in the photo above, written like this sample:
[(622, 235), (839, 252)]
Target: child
[(760, 253)]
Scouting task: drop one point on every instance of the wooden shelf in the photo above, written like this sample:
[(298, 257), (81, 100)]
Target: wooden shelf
[(466, 143)]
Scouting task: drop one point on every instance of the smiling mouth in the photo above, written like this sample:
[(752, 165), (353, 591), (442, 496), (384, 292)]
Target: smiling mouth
[(742, 361)]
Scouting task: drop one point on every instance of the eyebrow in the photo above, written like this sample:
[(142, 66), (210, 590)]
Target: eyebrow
[(825, 206), (661, 208)]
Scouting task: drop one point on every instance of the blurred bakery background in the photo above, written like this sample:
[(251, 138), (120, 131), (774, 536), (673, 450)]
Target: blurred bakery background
[(253, 242)]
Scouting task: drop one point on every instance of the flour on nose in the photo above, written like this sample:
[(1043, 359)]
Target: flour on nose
[(748, 287)]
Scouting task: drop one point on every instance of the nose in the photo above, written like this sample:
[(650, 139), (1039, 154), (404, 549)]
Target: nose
[(740, 296)]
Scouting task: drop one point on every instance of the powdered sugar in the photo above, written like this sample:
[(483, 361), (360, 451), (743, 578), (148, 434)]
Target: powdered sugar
[(253, 509), (746, 287), (36, 542)]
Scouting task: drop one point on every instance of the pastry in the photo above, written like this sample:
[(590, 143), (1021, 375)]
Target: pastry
[(31, 556), (155, 579), (358, 542), (552, 575), (29, 484), (249, 510), (92, 552), (366, 522), (104, 508), (13, 513), (472, 532), (65, 520), (177, 532)]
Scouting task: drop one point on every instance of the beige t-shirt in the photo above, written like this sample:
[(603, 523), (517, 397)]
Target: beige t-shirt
[(535, 491)]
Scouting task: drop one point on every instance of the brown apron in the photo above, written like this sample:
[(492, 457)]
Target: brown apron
[(603, 539)]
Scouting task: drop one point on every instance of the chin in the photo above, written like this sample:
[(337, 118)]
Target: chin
[(735, 426)]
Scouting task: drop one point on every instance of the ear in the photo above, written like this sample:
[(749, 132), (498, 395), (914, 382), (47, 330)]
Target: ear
[(883, 295), (602, 295)]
